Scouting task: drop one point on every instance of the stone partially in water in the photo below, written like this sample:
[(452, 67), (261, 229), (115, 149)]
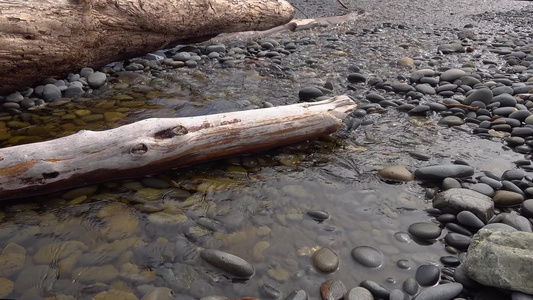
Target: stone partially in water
[(159, 293), (368, 256), (227, 262), (6, 287), (455, 200), (11, 263), (359, 293), (104, 273), (425, 230), (441, 292), (500, 259), (326, 260), (53, 252), (427, 275), (296, 295), (332, 289), (116, 294), (439, 172), (396, 174)]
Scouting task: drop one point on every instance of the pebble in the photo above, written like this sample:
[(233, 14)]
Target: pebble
[(318, 215), (527, 208), (397, 294), (410, 286), (309, 93), (439, 172), (356, 77), (483, 95), (377, 290), (227, 262), (367, 256), (457, 240), (395, 174), (51, 92), (425, 231), (326, 260), (507, 198), (452, 74), (467, 218), (295, 295), (483, 188), (97, 80), (427, 275), (332, 289), (440, 292)]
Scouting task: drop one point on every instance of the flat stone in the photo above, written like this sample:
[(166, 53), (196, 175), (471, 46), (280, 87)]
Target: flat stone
[(227, 262), (527, 208), (483, 188), (367, 256), (507, 198), (410, 286), (105, 273), (308, 93), (457, 240), (441, 292), (451, 121), (295, 295), (456, 200), (396, 174), (377, 290), (326, 260), (425, 230), (439, 172), (452, 74), (425, 88), (356, 77), (500, 259)]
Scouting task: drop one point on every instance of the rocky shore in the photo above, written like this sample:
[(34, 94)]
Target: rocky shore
[(427, 193)]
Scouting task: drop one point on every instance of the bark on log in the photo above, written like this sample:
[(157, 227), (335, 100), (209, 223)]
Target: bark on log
[(154, 145), (45, 38)]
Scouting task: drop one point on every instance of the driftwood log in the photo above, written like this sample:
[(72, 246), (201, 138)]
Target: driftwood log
[(154, 145), (46, 38)]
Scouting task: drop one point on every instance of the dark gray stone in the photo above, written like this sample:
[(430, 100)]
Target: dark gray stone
[(359, 293), (227, 262), (356, 77), (469, 219), (450, 183), (483, 188), (425, 230), (527, 208), (410, 286), (439, 172), (97, 80), (457, 240), (482, 95), (427, 275), (51, 92), (367, 256), (297, 295), (440, 292), (377, 290), (326, 260), (310, 92)]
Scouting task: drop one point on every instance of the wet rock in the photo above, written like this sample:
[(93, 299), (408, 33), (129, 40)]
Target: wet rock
[(397, 294), (527, 208), (440, 292), (420, 155), (227, 262), (482, 95), (297, 295), (115, 294), (39, 276), (457, 240), (279, 274), (11, 263), (500, 259), (519, 222), (326, 260), (467, 218), (451, 121), (410, 286), (332, 289), (395, 174), (439, 172), (358, 293), (427, 275), (507, 198), (450, 183), (6, 287), (452, 74), (377, 290), (56, 251), (258, 249), (309, 93), (356, 77), (456, 200), (96, 80), (424, 230), (159, 293), (318, 215), (104, 273), (483, 188), (368, 256)]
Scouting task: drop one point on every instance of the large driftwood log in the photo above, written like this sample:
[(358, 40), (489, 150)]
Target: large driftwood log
[(154, 145), (43, 38)]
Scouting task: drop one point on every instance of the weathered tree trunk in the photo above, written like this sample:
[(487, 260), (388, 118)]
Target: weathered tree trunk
[(43, 38), (154, 145)]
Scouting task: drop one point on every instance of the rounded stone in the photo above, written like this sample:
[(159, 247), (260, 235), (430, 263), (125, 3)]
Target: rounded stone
[(326, 260), (410, 286), (396, 174), (425, 231), (507, 198), (359, 293), (451, 121), (406, 62), (450, 183), (441, 292), (367, 256), (467, 218), (527, 208), (425, 88), (51, 92), (493, 183), (452, 74), (308, 93), (397, 294), (439, 172), (457, 240), (332, 289), (356, 77), (483, 95), (377, 290), (97, 80), (215, 48), (451, 261), (318, 215), (483, 188), (514, 174), (296, 295), (227, 262), (427, 275)]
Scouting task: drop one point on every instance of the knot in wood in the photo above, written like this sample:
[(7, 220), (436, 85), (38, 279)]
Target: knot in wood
[(139, 149), (179, 130)]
